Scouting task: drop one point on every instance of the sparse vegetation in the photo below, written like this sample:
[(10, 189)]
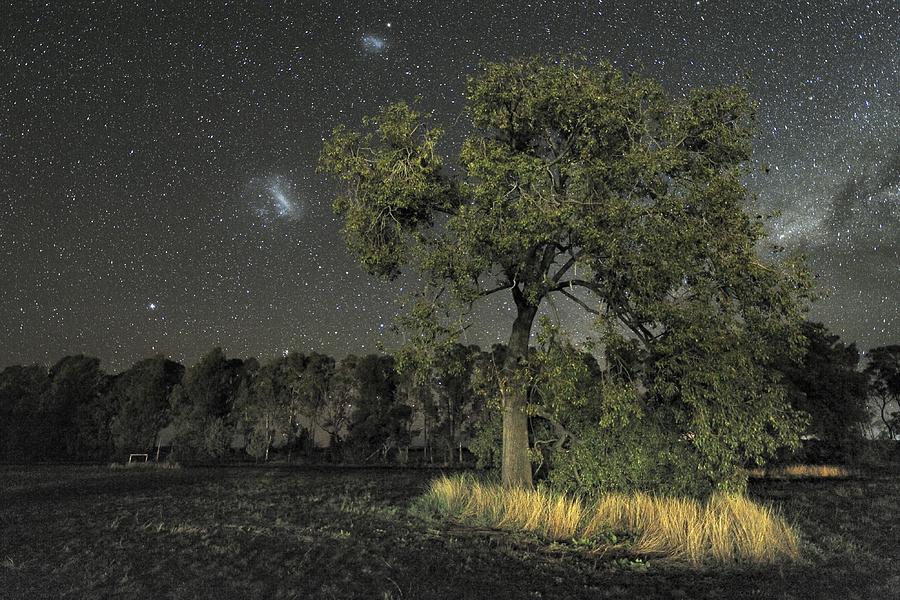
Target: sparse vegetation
[(725, 528), (801, 471), (332, 533), (145, 465)]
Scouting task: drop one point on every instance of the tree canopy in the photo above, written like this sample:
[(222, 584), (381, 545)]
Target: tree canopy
[(579, 182), (826, 385)]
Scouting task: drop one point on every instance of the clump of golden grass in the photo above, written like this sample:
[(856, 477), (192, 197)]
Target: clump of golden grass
[(801, 471), (726, 528)]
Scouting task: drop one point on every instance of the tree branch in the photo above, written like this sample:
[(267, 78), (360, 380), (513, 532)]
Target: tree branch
[(568, 265), (499, 288), (558, 427), (578, 301)]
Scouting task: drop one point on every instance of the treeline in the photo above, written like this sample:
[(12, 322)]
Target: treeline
[(360, 408), (357, 409)]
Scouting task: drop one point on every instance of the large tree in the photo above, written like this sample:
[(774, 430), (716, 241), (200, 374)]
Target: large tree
[(580, 182)]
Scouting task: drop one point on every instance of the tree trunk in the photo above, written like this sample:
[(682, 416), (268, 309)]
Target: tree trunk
[(887, 423), (516, 464)]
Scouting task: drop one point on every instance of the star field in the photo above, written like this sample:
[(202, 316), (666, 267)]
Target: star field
[(158, 190)]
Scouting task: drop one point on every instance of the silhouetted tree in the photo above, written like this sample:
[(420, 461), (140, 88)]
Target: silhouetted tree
[(140, 399), (825, 384), (313, 388), (201, 405), (23, 431), (451, 407), (883, 372), (334, 413), (271, 411), (378, 422), (76, 409)]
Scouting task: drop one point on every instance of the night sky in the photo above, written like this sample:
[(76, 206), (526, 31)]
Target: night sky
[(158, 190)]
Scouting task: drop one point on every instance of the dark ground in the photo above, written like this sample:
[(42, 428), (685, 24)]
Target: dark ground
[(95, 532)]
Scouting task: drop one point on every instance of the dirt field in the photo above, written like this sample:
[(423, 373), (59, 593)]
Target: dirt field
[(95, 532)]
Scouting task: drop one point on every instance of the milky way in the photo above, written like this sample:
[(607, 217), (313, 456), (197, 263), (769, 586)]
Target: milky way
[(155, 153)]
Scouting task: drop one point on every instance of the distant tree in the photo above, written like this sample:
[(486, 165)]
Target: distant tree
[(451, 408), (23, 431), (487, 370), (272, 411), (77, 409), (883, 372), (312, 389), (581, 183), (825, 384), (140, 399), (379, 422), (201, 405), (334, 413), (266, 413), (416, 389)]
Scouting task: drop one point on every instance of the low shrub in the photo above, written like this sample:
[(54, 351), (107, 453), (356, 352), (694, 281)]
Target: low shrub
[(724, 528)]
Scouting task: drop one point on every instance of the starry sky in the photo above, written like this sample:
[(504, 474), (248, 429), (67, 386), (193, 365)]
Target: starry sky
[(158, 190)]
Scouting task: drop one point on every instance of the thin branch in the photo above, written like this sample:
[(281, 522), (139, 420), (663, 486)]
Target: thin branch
[(578, 301), (590, 285), (499, 288)]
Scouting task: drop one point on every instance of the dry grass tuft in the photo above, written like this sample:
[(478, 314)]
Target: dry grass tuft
[(150, 465), (726, 528), (802, 472)]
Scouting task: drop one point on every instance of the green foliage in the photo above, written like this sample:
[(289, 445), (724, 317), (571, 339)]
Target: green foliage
[(583, 183), (486, 377), (401, 185), (622, 434), (486, 442)]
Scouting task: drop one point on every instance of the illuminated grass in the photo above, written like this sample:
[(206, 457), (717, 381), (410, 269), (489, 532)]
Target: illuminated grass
[(726, 528), (801, 472)]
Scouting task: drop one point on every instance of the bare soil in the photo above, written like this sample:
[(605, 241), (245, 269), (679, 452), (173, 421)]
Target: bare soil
[(302, 532)]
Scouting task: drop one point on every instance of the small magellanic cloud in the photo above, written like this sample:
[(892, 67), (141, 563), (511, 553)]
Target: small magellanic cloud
[(374, 44)]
